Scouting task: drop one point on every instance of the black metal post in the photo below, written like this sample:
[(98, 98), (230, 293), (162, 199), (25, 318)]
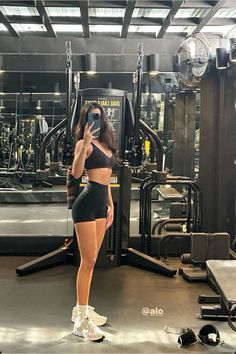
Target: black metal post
[(137, 107), (68, 88), (208, 159), (67, 155), (184, 135)]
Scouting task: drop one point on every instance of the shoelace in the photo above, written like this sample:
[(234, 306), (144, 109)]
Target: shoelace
[(92, 325)]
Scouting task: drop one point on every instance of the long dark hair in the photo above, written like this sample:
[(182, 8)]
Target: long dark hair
[(106, 136)]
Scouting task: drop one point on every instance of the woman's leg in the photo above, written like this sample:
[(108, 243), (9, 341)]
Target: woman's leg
[(100, 231), (87, 242)]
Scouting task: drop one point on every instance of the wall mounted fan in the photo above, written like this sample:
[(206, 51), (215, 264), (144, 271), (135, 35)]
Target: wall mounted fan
[(193, 60)]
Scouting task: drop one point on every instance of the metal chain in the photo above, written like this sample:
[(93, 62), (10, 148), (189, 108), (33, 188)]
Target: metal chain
[(140, 56), (68, 54)]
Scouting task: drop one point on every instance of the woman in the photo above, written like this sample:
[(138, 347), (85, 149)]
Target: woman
[(92, 211)]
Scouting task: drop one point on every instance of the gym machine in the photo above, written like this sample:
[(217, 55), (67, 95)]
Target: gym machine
[(114, 102), (117, 110), (146, 231), (143, 259), (223, 305), (204, 247)]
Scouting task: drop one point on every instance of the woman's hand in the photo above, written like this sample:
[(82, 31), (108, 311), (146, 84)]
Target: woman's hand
[(110, 217), (88, 135)]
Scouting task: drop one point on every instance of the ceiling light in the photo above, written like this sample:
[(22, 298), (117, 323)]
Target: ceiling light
[(91, 63), (1, 88), (221, 58), (38, 105), (1, 104), (1, 64), (154, 63), (57, 89)]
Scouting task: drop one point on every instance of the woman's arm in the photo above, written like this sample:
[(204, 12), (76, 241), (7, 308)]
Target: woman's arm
[(79, 159), (81, 151), (110, 200), (110, 211)]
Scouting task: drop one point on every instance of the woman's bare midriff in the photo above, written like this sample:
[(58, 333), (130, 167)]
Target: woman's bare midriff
[(100, 175)]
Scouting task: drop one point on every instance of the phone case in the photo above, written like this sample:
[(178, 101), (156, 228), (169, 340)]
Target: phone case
[(93, 118)]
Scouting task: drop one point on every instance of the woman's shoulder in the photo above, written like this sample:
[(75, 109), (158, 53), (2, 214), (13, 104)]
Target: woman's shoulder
[(79, 145), (79, 142)]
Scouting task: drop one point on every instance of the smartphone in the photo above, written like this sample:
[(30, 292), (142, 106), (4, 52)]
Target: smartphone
[(94, 118)]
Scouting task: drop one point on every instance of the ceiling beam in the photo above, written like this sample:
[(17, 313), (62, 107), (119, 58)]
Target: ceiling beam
[(137, 21), (83, 4), (127, 18), (153, 21), (17, 3), (211, 2), (164, 4), (92, 20), (70, 20), (197, 4), (107, 4), (168, 20), (209, 16), (45, 19), (6, 23), (147, 21), (25, 19), (59, 3)]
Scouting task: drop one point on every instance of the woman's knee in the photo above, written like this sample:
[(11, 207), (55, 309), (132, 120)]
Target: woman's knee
[(88, 262)]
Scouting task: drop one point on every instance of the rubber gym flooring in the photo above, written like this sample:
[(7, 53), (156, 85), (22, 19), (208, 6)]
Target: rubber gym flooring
[(35, 310)]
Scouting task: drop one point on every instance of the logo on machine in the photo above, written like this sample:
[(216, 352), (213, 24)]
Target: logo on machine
[(156, 311)]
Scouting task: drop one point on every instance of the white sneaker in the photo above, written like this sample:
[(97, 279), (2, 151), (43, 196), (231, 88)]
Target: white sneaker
[(88, 330), (95, 317)]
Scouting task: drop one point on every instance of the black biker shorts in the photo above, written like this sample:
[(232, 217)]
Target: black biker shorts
[(91, 203)]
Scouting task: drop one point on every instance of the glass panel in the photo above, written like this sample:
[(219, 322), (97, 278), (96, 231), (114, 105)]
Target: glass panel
[(36, 112), (226, 13), (63, 11), (187, 29), (218, 29), (185, 13), (152, 110), (19, 11), (27, 27), (2, 27), (158, 13), (106, 12)]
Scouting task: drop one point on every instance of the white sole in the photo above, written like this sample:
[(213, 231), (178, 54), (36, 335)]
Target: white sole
[(98, 324), (80, 334)]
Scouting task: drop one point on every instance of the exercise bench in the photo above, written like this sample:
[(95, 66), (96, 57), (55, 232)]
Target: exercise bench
[(222, 276)]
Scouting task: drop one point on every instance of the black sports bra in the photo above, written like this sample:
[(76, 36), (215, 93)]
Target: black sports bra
[(99, 159)]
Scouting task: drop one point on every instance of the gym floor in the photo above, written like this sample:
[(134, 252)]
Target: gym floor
[(35, 310)]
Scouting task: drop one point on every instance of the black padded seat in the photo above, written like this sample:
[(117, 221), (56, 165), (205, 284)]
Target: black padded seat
[(223, 274)]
